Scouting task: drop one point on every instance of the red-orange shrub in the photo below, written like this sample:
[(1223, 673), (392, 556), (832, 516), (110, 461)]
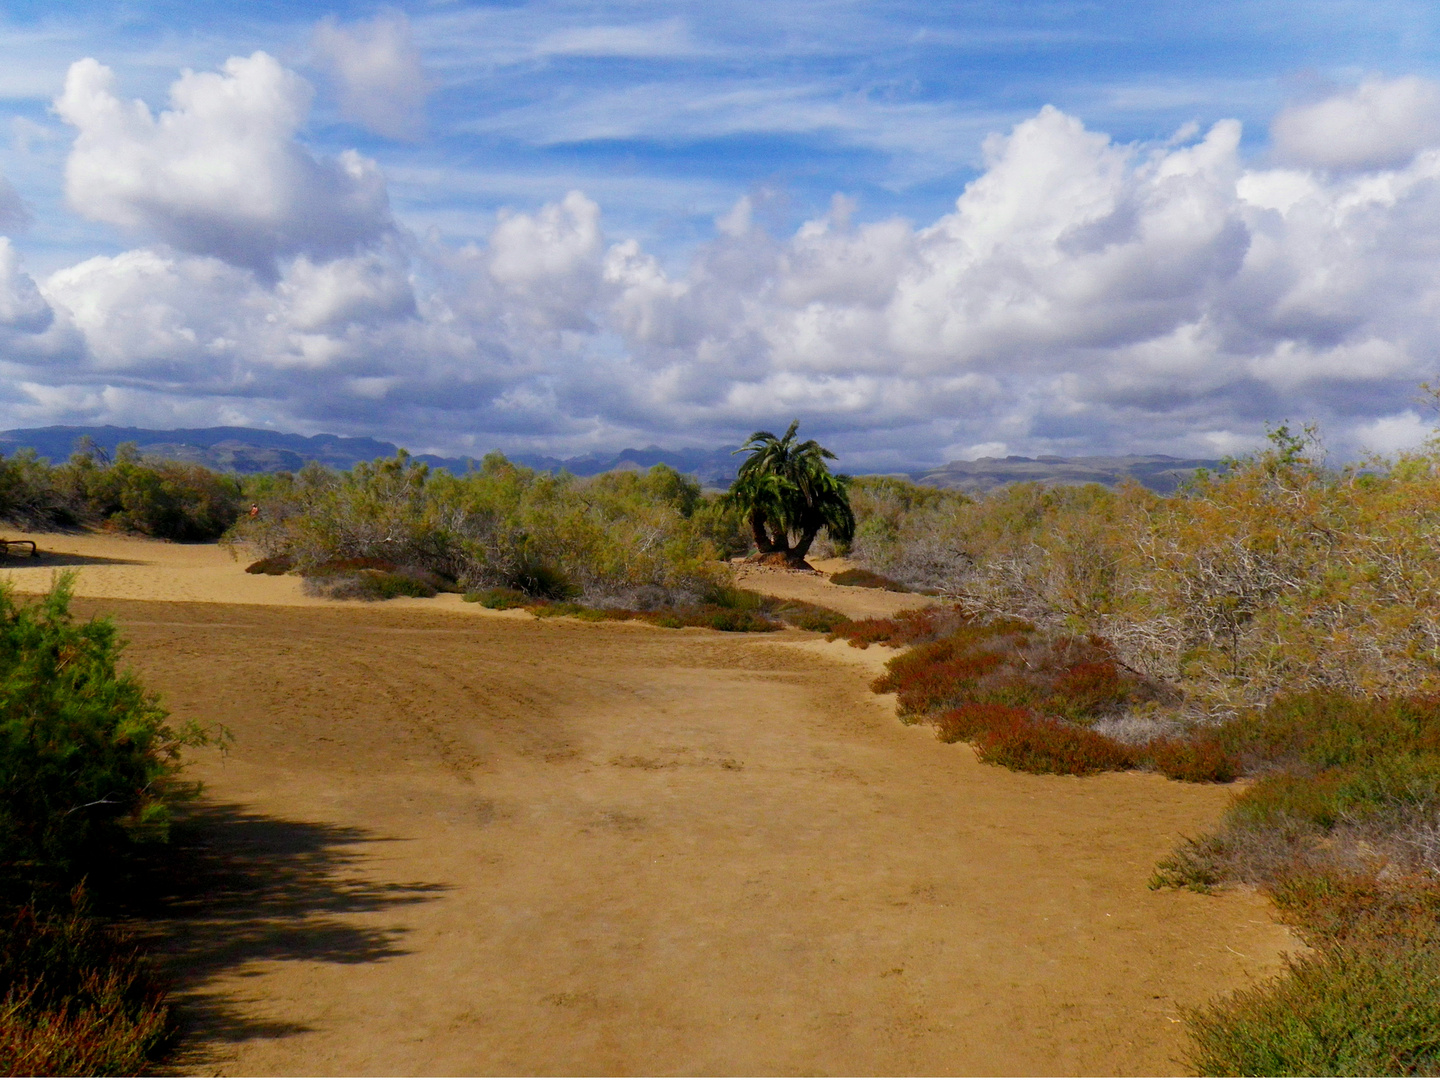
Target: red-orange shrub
[(1092, 687), (1196, 761), (1051, 746), (968, 721)]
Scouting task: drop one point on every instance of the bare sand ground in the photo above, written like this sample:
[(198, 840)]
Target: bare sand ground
[(815, 587), (450, 841)]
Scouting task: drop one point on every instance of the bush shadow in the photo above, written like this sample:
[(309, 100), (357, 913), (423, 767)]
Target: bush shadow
[(235, 888), (60, 559)]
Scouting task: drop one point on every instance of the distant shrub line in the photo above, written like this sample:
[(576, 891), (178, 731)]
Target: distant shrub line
[(169, 500), (1277, 576), (629, 541)]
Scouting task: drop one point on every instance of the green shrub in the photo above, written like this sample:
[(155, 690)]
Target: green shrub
[(632, 541), (87, 769), (1042, 745), (165, 499), (498, 599), (29, 495), (87, 758), (1346, 1011)]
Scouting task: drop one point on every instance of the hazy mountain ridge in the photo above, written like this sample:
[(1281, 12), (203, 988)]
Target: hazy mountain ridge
[(1158, 472), (254, 450)]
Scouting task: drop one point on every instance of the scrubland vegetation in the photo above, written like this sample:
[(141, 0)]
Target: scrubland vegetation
[(164, 499), (1279, 621), (621, 540), (88, 765)]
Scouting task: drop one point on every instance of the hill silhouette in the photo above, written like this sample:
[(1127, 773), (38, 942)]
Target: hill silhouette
[(256, 450)]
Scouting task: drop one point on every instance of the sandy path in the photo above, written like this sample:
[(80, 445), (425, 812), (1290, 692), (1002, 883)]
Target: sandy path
[(815, 587), (492, 844)]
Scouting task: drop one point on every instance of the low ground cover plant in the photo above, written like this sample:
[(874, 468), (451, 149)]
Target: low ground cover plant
[(1341, 825), (1040, 744), (728, 609), (1027, 698), (88, 770), (1342, 829), (78, 999), (859, 577)]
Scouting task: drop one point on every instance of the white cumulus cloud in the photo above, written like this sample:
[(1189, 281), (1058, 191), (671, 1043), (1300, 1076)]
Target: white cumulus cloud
[(378, 72), (1377, 124), (220, 172), (1079, 296)]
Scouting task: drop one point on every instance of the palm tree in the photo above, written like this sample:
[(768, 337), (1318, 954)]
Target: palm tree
[(786, 490)]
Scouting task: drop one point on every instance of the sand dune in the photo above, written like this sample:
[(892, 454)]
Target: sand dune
[(452, 841)]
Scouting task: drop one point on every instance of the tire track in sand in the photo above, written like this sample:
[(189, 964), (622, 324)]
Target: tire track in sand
[(468, 865)]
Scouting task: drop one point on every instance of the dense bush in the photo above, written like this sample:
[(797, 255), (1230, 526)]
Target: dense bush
[(633, 541), (87, 758), (167, 500), (1280, 574), (1045, 745), (30, 496)]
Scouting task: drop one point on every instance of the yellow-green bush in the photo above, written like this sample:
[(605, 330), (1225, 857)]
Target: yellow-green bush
[(624, 540), (1277, 575)]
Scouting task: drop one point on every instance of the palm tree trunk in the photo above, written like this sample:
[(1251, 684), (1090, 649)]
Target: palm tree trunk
[(799, 551), (763, 543)]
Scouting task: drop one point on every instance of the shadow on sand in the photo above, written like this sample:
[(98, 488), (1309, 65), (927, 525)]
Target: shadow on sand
[(235, 888), (15, 561)]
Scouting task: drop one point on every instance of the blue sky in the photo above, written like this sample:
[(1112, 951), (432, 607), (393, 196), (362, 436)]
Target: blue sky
[(664, 117)]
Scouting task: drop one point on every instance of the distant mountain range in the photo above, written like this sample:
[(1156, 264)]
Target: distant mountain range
[(254, 450), (1158, 472)]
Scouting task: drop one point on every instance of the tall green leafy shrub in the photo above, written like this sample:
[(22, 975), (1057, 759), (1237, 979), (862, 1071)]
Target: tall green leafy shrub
[(29, 495), (87, 757), (166, 499)]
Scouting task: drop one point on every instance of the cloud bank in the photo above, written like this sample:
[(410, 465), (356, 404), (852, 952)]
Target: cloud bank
[(1081, 295)]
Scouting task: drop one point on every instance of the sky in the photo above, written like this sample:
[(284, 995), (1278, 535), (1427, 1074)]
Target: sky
[(928, 231)]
